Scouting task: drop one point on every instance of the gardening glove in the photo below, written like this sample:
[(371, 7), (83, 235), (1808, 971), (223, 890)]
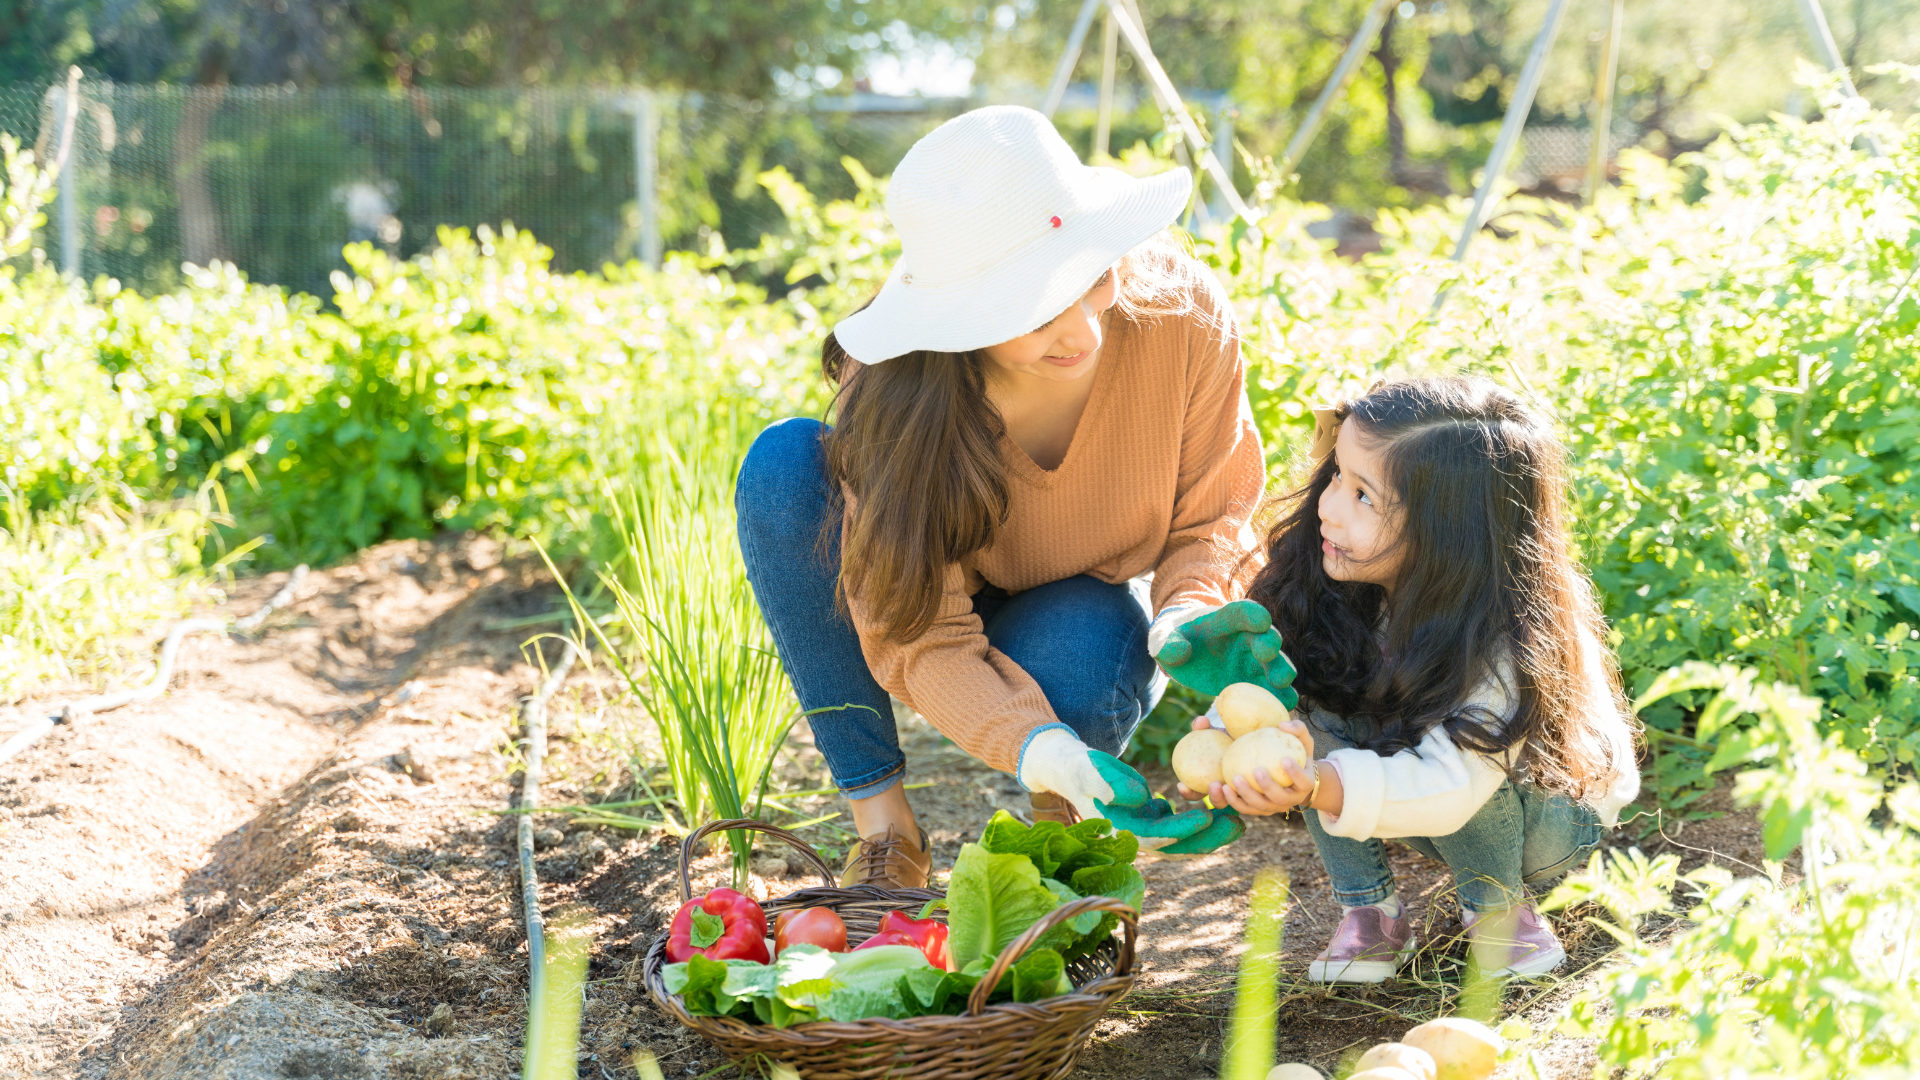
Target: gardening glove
[(1210, 648), (1226, 827), (1099, 785)]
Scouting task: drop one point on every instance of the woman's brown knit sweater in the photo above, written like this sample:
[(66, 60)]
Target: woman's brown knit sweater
[(1164, 474)]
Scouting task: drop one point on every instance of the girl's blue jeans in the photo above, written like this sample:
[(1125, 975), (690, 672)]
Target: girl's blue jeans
[(1084, 641), (1522, 836)]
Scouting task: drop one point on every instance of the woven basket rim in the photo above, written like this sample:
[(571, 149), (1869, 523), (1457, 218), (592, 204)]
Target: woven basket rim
[(1112, 979)]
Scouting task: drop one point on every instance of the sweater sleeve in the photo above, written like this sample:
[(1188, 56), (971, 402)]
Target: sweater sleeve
[(1211, 551), (971, 692), (1436, 787), (1431, 789)]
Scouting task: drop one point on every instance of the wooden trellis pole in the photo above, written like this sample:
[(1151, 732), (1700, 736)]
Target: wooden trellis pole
[(1823, 43), (1336, 85), (1602, 115)]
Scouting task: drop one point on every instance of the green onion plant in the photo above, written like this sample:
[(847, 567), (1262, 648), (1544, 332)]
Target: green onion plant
[(688, 637)]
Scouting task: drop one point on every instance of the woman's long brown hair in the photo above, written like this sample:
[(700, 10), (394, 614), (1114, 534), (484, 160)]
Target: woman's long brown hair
[(1488, 586), (915, 451)]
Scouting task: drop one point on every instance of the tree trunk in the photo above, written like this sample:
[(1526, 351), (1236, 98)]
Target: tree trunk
[(201, 238), (1396, 127)]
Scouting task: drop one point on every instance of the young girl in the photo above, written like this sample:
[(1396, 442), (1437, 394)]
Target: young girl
[(1451, 675)]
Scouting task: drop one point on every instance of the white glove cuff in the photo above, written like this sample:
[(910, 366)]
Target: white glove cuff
[(1214, 718), (1173, 618), (1055, 760), (1047, 759)]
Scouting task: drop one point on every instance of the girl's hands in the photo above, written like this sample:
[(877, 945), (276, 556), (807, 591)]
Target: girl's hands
[(1262, 794)]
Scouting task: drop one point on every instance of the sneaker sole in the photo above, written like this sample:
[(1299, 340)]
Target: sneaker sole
[(1542, 964), (1365, 972)]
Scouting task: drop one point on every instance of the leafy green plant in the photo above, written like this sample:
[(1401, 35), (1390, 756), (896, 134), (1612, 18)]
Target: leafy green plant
[(26, 191), (693, 647), (1815, 977), (77, 580), (1256, 1006)]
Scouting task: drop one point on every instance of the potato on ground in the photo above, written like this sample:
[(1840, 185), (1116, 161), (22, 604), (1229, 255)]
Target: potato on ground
[(1399, 1056), (1462, 1049)]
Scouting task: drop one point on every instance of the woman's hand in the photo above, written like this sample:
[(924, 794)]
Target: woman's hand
[(1221, 646), (1262, 794)]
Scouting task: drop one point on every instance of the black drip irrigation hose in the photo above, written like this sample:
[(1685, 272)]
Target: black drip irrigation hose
[(74, 711), (534, 715)]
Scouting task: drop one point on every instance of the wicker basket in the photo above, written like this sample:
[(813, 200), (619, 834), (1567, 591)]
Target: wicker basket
[(1036, 1041)]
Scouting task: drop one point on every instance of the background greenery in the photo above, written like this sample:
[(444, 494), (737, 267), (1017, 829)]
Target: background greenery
[(1734, 375), (1727, 340), (1416, 122)]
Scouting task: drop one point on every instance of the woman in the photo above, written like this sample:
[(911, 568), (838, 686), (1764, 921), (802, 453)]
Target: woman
[(1041, 410)]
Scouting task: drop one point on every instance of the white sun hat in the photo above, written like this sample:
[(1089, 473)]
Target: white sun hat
[(1001, 228)]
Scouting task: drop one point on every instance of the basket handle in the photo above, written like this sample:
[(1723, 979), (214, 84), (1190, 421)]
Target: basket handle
[(1129, 922), (806, 851)]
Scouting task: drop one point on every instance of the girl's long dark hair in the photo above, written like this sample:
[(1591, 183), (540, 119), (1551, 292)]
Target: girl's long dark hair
[(1487, 589)]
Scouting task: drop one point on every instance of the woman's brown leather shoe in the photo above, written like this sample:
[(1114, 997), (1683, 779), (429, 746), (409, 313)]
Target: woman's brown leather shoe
[(1046, 806), (888, 861)]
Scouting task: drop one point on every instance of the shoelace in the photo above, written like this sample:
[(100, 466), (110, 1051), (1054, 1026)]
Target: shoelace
[(879, 859)]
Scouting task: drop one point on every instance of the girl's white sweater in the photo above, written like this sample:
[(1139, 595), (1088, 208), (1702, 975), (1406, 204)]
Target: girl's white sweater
[(1435, 787)]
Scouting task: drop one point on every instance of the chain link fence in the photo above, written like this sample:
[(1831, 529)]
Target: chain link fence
[(277, 180)]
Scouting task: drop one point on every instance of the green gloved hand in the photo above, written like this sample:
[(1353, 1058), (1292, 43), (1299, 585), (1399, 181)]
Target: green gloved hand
[(1232, 644), (1226, 827), (1137, 810), (1154, 821)]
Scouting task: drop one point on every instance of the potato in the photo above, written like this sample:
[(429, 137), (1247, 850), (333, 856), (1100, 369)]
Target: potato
[(1262, 749), (1399, 1056), (1462, 1049), (1246, 707), (1295, 1071), (1196, 758), (1383, 1072)]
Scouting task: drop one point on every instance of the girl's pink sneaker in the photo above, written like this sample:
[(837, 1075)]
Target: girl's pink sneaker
[(1369, 947), (1513, 941)]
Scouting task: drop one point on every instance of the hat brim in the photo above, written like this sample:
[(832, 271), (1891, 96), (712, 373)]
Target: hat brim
[(1027, 288)]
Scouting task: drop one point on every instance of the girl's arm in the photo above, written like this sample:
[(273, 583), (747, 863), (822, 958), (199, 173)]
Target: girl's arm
[(1264, 794), (1430, 790)]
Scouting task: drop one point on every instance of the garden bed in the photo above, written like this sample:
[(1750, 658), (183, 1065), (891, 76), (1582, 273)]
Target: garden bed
[(242, 879)]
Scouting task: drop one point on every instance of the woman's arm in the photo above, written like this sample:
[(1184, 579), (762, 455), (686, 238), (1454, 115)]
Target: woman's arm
[(969, 691)]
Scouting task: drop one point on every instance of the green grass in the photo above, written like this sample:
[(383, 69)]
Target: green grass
[(83, 585)]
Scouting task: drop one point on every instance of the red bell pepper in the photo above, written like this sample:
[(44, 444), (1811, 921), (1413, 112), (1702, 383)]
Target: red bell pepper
[(927, 935), (722, 925)]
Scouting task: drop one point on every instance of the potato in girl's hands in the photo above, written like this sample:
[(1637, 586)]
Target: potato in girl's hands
[(1272, 790)]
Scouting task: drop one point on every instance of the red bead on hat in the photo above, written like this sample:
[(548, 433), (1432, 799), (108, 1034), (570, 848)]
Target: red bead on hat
[(1056, 220)]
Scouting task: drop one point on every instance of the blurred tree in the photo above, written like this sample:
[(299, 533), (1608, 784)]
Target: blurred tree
[(720, 46), (1415, 122)]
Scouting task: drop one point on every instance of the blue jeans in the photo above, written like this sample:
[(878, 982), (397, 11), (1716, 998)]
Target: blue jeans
[(1082, 640), (1522, 836)]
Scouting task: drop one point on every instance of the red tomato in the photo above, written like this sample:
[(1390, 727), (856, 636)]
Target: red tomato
[(809, 926)]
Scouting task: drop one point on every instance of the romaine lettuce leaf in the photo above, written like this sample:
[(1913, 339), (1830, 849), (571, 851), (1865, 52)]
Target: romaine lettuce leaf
[(992, 899)]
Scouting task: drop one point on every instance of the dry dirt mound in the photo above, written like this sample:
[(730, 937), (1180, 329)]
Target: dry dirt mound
[(291, 866), (240, 880)]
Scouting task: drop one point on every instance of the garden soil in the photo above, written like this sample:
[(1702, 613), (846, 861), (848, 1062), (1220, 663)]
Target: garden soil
[(295, 863)]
